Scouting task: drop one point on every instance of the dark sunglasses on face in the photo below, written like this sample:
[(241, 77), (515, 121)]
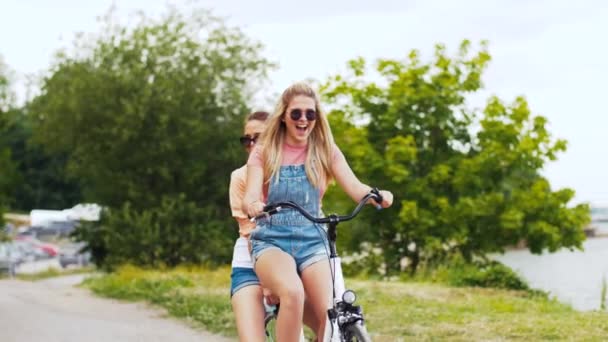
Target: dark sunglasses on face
[(248, 140), (296, 114)]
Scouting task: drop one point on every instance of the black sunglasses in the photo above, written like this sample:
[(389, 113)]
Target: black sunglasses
[(247, 140), (296, 114)]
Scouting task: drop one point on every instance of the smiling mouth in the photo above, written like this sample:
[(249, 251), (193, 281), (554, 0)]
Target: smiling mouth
[(302, 128)]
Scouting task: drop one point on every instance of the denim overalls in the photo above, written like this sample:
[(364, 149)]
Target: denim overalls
[(288, 230)]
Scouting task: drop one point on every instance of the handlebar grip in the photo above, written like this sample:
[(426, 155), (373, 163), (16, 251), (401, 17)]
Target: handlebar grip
[(377, 198), (268, 210)]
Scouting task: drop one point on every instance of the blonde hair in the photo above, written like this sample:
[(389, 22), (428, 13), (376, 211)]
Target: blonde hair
[(320, 140)]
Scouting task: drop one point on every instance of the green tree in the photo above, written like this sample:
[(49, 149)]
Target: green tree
[(8, 172), (41, 180), (463, 181), (30, 177), (151, 112)]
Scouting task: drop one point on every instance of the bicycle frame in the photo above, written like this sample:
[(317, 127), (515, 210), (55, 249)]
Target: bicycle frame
[(342, 313)]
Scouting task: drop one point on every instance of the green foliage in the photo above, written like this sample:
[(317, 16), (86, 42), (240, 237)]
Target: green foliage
[(7, 95), (176, 232), (29, 178), (8, 175), (147, 116), (463, 180), (8, 172), (40, 179), (141, 112), (366, 264), (484, 274)]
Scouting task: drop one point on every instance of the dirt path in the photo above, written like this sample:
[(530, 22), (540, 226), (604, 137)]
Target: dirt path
[(54, 310)]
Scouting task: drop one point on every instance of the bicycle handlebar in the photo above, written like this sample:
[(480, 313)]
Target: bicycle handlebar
[(274, 208)]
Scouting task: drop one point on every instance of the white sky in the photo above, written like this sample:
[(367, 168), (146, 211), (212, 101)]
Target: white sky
[(550, 51)]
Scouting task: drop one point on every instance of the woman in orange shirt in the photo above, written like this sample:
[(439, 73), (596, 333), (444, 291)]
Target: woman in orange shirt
[(245, 290)]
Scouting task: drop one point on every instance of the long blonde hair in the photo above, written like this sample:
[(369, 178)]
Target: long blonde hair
[(320, 140)]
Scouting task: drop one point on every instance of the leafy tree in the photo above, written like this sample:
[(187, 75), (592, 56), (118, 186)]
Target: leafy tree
[(152, 111), (30, 178), (41, 180), (463, 180), (8, 172)]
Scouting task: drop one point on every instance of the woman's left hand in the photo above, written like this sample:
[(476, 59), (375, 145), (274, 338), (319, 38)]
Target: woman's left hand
[(387, 198)]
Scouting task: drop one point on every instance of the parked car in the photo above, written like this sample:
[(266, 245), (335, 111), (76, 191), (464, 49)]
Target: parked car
[(50, 249), (29, 250), (72, 254)]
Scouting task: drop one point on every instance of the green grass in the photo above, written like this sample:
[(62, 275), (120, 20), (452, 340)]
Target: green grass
[(52, 272), (428, 312), (395, 311), (603, 294)]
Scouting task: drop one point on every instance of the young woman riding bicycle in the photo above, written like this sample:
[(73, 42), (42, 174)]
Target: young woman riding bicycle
[(295, 162), (245, 290)]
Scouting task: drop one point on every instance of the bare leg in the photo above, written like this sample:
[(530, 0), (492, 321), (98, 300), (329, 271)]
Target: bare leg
[(317, 285), (277, 272), (310, 319), (249, 313)]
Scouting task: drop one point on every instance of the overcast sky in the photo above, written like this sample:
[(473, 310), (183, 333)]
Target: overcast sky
[(551, 51)]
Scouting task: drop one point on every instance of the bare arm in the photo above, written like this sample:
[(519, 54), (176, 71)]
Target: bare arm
[(253, 192), (348, 181), (237, 192)]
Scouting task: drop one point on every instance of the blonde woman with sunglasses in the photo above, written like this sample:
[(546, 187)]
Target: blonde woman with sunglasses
[(245, 291), (295, 162)]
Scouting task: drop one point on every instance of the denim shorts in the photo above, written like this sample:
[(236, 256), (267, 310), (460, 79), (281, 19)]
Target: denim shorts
[(305, 242), (242, 277), (242, 267)]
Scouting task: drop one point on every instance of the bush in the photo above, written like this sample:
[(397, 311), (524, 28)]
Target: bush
[(489, 274), (177, 232), (366, 264), (455, 271)]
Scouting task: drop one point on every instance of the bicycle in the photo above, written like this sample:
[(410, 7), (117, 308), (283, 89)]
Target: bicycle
[(345, 320)]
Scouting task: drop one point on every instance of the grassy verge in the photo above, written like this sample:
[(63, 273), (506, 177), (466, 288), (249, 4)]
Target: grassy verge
[(52, 272), (395, 311)]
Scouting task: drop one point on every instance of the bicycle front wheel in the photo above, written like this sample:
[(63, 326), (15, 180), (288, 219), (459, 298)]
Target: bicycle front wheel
[(271, 328), (356, 333)]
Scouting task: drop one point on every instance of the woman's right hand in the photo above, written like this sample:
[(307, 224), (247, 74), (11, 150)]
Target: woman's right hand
[(255, 208)]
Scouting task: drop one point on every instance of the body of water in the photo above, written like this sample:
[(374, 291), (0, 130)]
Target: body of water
[(572, 277)]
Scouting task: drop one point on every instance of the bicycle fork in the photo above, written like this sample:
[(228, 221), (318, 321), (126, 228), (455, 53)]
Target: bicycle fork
[(332, 328)]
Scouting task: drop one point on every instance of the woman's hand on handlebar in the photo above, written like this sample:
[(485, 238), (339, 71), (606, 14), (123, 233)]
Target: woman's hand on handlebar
[(255, 208), (387, 198)]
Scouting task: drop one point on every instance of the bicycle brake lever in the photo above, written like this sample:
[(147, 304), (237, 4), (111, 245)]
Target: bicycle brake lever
[(378, 198)]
